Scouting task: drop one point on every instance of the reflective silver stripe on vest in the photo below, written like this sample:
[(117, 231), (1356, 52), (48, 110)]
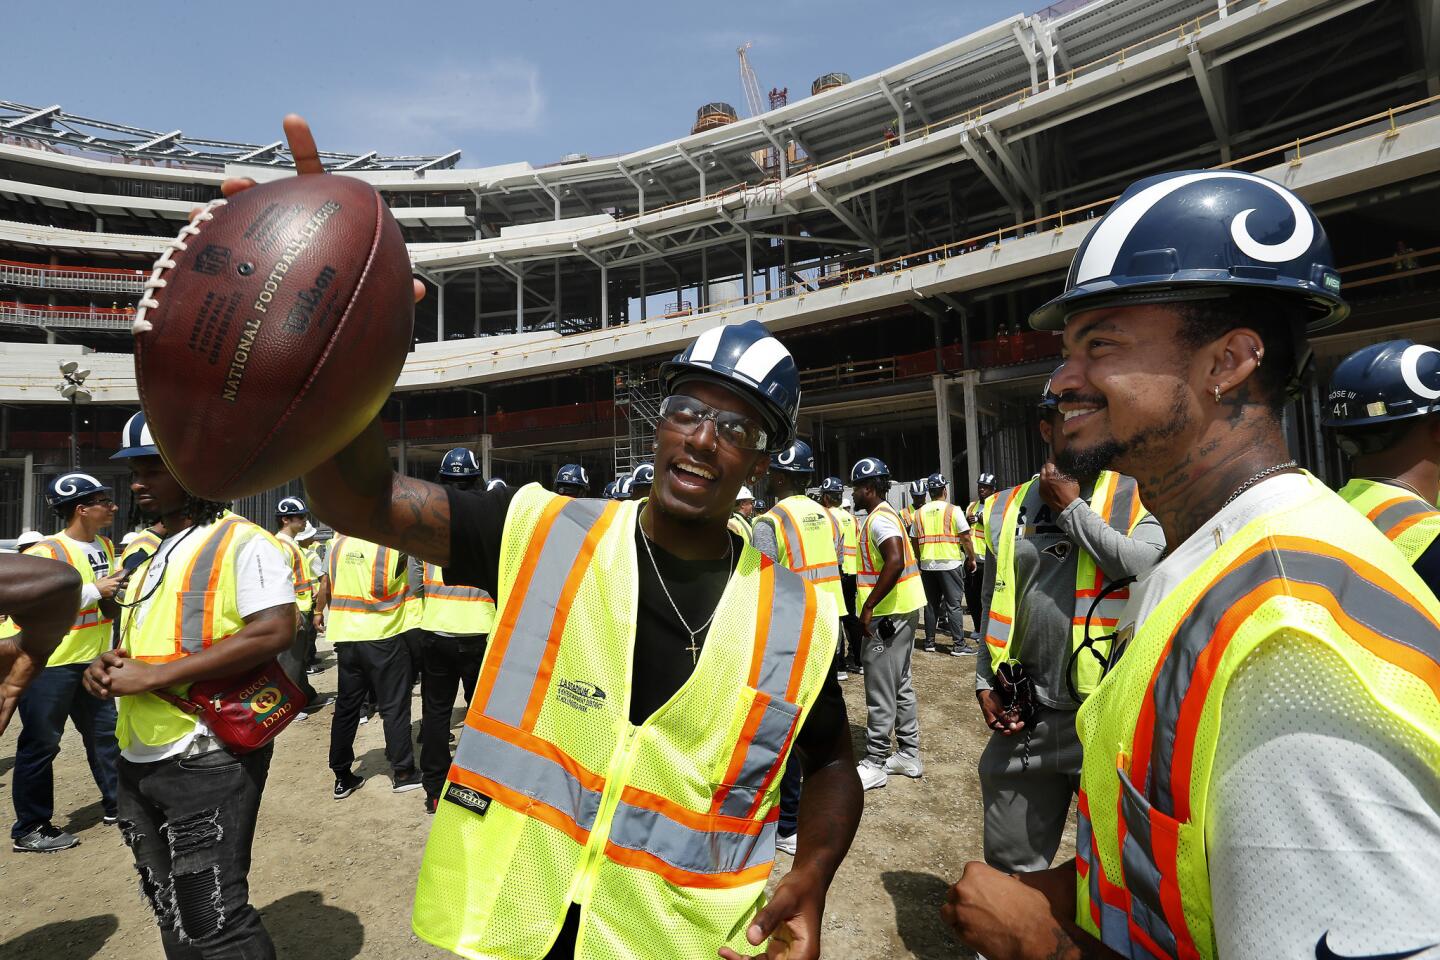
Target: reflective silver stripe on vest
[(787, 616), (434, 586), (1392, 516), (355, 604), (1122, 503), (997, 632), (527, 641), (770, 737), (537, 777), (380, 572), (1142, 874), (1114, 922), (193, 596), (1369, 603), (688, 849)]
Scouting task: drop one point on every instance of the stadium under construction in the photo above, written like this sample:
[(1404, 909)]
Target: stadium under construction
[(894, 230)]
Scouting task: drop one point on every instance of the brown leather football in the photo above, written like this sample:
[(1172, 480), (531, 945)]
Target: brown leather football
[(272, 332)]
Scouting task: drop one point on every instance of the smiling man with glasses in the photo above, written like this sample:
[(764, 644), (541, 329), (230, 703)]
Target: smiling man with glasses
[(648, 674), (86, 506)]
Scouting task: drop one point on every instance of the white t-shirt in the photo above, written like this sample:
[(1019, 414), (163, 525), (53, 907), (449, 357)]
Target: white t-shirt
[(883, 527), (94, 552), (961, 524), (263, 579), (1321, 822)]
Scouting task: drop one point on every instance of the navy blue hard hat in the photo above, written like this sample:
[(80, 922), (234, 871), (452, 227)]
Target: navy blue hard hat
[(644, 474), (745, 358), (917, 488), (870, 468), (1197, 234), (70, 487), (832, 485), (623, 486), (494, 483), (460, 464), (937, 481), (609, 492), (1384, 382), (135, 440), (572, 475), (985, 480), (291, 507), (796, 458)]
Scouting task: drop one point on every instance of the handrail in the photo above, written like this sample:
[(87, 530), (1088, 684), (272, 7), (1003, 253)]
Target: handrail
[(44, 315), (92, 279)]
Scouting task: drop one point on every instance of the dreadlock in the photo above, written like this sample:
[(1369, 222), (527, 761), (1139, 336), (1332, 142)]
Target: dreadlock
[(198, 511)]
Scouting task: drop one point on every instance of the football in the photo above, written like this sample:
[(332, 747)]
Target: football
[(272, 331)]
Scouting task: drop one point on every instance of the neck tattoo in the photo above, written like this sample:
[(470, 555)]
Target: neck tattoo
[(694, 646)]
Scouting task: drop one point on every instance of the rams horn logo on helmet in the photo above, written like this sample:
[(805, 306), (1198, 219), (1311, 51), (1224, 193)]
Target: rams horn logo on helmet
[(1410, 370)]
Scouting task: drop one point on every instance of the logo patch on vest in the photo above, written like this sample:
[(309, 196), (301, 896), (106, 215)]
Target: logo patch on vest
[(472, 800), (580, 695), (1059, 549)]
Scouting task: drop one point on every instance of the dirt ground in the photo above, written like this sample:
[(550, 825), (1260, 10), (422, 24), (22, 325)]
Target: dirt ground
[(334, 881)]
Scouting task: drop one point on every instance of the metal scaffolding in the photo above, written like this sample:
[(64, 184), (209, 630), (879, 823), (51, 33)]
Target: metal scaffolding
[(637, 403)]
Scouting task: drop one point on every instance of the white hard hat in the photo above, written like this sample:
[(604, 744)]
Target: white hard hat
[(744, 494), (129, 538), (307, 534), (28, 539)]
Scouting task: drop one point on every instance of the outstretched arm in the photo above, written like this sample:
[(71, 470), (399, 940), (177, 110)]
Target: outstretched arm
[(40, 596)]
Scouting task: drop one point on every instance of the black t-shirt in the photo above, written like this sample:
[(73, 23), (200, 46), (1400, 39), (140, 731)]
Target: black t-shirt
[(662, 658)]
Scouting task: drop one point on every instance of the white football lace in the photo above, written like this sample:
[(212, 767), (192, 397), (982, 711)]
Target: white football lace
[(164, 262)]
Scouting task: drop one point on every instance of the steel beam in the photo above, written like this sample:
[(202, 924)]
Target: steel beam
[(845, 217), (154, 142), (639, 187), (698, 168), (258, 152), (1212, 94), (988, 169), (442, 162), (894, 102), (34, 116), (355, 163), (1012, 166)]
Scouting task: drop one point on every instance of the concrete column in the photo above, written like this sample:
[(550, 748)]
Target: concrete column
[(520, 304), (487, 442), (604, 297), (401, 469), (749, 285), (642, 292), (440, 311), (972, 431), (477, 301), (942, 422)]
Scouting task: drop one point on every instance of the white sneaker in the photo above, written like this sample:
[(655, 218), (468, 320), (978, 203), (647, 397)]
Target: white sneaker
[(785, 844), (905, 764), (364, 718), (872, 775), (842, 675)]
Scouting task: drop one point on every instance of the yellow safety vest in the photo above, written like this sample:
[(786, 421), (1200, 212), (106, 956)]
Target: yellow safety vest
[(940, 535), (89, 635), (300, 567), (195, 606), (1410, 522), (739, 526), (976, 509), (1150, 730), (1117, 500), (809, 542), (147, 540), (464, 611), (849, 559), (907, 518), (368, 593), (664, 834), (908, 594)]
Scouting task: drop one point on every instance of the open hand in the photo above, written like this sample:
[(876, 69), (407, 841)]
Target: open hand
[(791, 920)]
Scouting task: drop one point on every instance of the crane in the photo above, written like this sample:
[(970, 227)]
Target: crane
[(748, 81)]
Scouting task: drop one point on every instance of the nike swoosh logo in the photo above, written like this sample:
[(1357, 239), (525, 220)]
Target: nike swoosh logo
[(1323, 952)]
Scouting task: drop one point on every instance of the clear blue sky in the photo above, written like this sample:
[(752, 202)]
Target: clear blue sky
[(524, 80)]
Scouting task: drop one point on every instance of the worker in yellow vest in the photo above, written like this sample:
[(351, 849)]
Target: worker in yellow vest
[(216, 599), (308, 540), (799, 534), (743, 514), (890, 596), (945, 552), (454, 624), (908, 512), (975, 579), (291, 519), (367, 621), (832, 493), (85, 506), (614, 788), (1061, 550), (1383, 408), (1260, 774)]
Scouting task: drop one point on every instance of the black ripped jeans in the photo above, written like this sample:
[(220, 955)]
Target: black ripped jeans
[(190, 823)]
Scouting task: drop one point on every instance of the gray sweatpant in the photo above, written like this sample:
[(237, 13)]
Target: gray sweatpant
[(889, 695), (1027, 786), (945, 591)]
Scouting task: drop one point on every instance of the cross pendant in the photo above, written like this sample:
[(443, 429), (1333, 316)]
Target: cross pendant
[(694, 649)]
